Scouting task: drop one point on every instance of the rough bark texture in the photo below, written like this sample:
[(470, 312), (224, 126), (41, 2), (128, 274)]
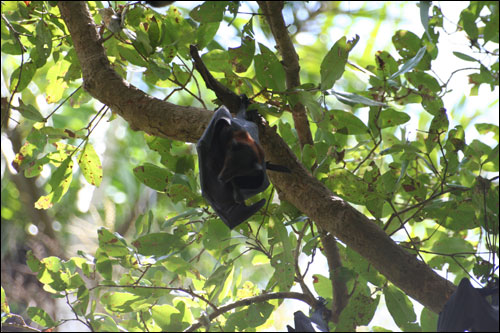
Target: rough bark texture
[(141, 111), (274, 17), (333, 214)]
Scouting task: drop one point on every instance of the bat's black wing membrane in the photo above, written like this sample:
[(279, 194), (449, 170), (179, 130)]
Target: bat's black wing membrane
[(211, 153), (467, 309)]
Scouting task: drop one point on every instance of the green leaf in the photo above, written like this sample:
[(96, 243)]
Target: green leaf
[(59, 133), (59, 182), (438, 127), (158, 244), (465, 57), (217, 61), (386, 65), (33, 263), (410, 64), (310, 245), (123, 302), (53, 274), (153, 176), (468, 22), (428, 320), (112, 244), (424, 16), (180, 74), (241, 57), (432, 103), (40, 317), (177, 265), (43, 43), (178, 34), (386, 184), (493, 157), (399, 305), (160, 71), (360, 309), (141, 42), (268, 70), (11, 48), (5, 304), (237, 320), (407, 43), (484, 129), (103, 323), (282, 261), (348, 186), (154, 33), (103, 264), (322, 285), (38, 139), (218, 277), (216, 235), (29, 111), (353, 99), (27, 74), (187, 215), (347, 123), (206, 33), (333, 64), (311, 103), (390, 118), (308, 156), (452, 245), (83, 298), (164, 315), (131, 55), (361, 266), (61, 178), (258, 313), (90, 164), (35, 143), (209, 11), (423, 81)]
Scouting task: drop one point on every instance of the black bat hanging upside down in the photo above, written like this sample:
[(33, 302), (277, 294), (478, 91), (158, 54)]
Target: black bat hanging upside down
[(468, 309), (232, 165)]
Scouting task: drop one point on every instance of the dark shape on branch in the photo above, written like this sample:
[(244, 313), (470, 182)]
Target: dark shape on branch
[(232, 167), (159, 4), (228, 98), (230, 158), (316, 323), (468, 309)]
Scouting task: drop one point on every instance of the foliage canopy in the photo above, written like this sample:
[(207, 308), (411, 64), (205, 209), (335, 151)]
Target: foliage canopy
[(162, 260)]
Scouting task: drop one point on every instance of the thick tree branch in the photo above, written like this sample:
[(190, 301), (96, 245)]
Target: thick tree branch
[(226, 96), (336, 216), (141, 111), (274, 17), (273, 11), (314, 199)]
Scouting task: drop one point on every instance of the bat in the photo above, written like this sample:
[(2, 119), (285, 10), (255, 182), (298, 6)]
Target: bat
[(232, 165), (316, 323), (159, 4), (468, 309)]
